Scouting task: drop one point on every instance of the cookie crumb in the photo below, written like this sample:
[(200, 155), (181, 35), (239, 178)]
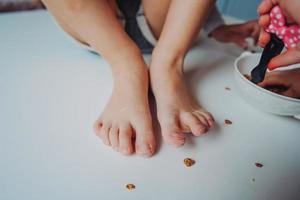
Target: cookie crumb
[(259, 165), (227, 88), (130, 186), (227, 122), (189, 162)]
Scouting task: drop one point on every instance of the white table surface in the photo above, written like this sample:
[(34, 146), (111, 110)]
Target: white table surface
[(52, 91)]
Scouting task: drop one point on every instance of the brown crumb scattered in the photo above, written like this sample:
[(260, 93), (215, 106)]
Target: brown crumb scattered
[(248, 77), (189, 162), (227, 122), (227, 88), (130, 186), (259, 165)]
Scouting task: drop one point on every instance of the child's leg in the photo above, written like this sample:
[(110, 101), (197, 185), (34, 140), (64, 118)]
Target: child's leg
[(127, 114), (177, 111), (156, 12)]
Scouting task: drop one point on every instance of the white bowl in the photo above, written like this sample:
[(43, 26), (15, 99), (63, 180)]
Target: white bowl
[(258, 97)]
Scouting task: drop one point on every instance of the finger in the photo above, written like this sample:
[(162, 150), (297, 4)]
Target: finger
[(264, 21), (265, 7), (264, 38), (248, 28), (290, 57), (248, 25), (271, 79), (255, 33)]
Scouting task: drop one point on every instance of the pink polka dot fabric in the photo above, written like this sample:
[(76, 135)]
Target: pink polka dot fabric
[(289, 34)]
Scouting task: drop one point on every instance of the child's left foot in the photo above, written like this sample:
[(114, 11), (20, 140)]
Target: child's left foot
[(177, 111)]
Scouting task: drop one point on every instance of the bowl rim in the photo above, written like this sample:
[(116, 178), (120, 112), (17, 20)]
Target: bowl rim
[(248, 54)]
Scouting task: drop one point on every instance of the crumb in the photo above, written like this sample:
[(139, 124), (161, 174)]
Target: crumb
[(189, 162), (259, 165), (227, 88), (248, 77), (227, 122), (253, 179), (130, 186)]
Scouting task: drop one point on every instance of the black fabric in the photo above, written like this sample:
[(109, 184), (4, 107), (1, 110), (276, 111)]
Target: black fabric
[(130, 8)]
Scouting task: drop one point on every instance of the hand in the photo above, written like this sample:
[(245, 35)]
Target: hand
[(237, 33), (290, 9), (288, 79)]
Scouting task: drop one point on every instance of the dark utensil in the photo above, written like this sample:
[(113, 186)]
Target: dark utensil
[(272, 49)]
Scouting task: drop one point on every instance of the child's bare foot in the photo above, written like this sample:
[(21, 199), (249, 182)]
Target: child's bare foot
[(177, 111), (126, 123)]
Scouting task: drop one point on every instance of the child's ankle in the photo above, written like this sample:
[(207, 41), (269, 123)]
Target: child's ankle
[(133, 71), (167, 63)]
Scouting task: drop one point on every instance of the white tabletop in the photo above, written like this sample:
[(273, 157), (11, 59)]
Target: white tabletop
[(52, 91)]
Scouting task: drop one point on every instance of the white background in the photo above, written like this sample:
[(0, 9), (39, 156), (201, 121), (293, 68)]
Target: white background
[(51, 91)]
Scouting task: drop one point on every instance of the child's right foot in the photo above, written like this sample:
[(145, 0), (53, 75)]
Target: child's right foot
[(126, 123)]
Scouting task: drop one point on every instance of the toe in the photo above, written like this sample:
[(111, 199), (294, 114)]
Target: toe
[(193, 124), (173, 136), (208, 116), (97, 127), (114, 137), (171, 132), (125, 139), (145, 141), (202, 119), (104, 133)]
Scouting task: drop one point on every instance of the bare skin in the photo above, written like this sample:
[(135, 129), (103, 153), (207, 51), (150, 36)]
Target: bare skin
[(290, 10), (178, 112), (289, 79), (237, 33), (127, 125)]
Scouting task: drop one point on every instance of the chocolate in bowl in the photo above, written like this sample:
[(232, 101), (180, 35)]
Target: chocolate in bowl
[(261, 98)]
